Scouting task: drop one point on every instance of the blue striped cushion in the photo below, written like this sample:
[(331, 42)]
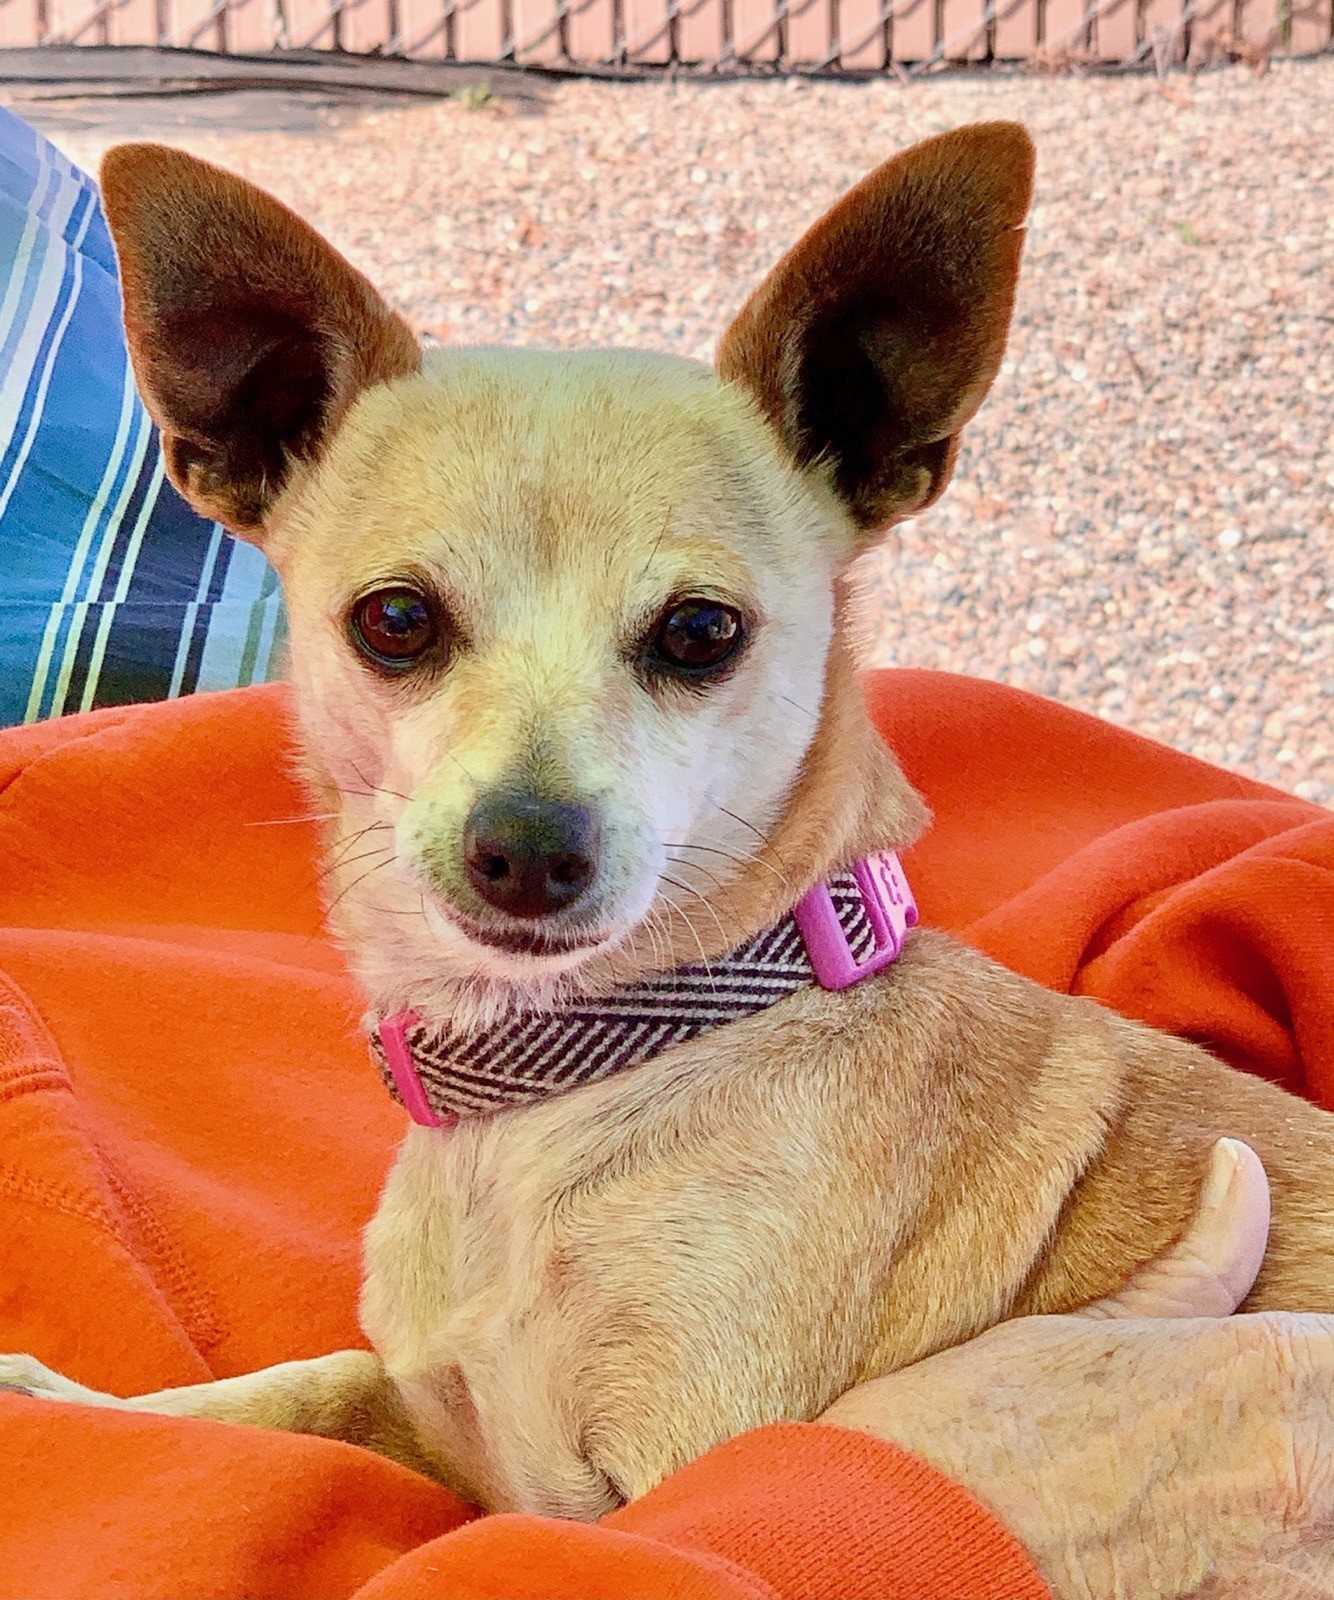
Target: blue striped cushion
[(111, 589)]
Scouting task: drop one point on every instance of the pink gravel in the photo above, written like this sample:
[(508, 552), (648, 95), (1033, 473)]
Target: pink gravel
[(1141, 524)]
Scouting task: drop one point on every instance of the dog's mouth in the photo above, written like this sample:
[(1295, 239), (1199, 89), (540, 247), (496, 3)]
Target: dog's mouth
[(533, 941), (526, 942)]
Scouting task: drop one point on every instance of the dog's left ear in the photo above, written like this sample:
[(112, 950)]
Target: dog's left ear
[(873, 342), (250, 335)]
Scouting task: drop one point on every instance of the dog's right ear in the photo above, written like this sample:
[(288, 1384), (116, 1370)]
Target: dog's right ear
[(249, 334)]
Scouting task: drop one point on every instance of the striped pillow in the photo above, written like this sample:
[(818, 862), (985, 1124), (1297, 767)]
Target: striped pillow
[(111, 589)]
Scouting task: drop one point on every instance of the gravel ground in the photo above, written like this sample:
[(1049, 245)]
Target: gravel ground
[(1141, 523)]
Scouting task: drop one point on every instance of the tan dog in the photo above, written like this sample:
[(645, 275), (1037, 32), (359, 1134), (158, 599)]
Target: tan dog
[(602, 587)]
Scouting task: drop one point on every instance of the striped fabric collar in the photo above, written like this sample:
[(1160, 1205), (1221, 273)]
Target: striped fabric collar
[(840, 932)]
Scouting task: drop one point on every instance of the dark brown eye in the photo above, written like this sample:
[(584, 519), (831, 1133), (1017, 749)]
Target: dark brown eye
[(695, 637), (394, 626)]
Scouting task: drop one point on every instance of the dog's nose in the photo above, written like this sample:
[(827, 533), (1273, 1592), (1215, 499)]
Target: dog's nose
[(529, 857)]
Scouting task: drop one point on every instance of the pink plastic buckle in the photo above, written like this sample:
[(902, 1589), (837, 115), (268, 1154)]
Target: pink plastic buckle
[(403, 1069), (890, 909)]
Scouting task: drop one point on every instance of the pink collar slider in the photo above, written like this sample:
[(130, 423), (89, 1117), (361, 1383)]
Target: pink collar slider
[(890, 909)]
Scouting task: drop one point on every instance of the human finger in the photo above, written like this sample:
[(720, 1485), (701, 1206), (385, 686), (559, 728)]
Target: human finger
[(1209, 1272)]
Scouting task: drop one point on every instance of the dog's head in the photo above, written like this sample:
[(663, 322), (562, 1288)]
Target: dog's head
[(565, 627)]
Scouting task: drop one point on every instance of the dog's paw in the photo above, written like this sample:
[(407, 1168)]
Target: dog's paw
[(27, 1375)]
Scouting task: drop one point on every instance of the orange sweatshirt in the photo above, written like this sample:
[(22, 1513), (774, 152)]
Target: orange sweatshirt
[(192, 1136)]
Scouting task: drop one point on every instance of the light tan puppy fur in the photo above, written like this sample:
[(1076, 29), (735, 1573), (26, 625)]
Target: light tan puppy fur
[(570, 1301)]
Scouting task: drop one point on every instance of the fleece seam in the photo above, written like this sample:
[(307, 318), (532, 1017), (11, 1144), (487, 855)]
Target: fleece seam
[(130, 1223)]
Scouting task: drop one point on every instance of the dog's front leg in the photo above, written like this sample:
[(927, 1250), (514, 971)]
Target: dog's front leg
[(346, 1396)]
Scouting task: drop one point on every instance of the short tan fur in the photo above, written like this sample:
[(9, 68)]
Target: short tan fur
[(567, 1302)]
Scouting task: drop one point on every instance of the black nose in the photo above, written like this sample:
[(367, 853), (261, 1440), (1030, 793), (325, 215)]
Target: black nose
[(529, 857)]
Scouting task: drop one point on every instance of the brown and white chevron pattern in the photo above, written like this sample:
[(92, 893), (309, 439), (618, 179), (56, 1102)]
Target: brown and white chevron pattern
[(535, 1056)]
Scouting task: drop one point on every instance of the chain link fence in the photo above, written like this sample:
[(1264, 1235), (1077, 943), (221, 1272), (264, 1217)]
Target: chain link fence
[(905, 37)]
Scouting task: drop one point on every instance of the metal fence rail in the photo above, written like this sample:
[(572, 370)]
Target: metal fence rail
[(904, 36)]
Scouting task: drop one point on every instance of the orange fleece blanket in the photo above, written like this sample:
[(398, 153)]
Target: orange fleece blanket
[(191, 1136)]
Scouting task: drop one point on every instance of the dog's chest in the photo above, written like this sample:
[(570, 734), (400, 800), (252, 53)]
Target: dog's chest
[(615, 1294)]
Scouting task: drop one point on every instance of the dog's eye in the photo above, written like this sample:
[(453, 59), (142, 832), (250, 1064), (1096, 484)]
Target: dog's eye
[(394, 626), (695, 636)]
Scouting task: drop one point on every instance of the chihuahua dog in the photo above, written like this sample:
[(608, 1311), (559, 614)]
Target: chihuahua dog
[(672, 1176)]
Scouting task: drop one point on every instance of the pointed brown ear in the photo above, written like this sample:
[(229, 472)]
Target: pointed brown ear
[(873, 341), (250, 335)]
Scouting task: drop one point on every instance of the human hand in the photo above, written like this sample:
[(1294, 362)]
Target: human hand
[(1136, 1456)]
